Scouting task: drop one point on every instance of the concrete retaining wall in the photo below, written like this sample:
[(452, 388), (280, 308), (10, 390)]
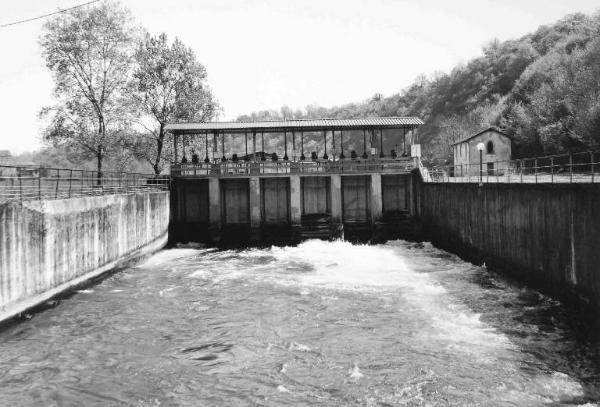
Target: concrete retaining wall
[(49, 246), (548, 235)]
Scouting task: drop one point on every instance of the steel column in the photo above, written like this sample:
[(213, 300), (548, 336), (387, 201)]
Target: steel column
[(333, 142), (262, 154), (381, 153), (254, 145), (223, 159), (206, 159), (175, 155)]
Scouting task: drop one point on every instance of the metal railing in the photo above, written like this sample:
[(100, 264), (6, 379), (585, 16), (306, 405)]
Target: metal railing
[(554, 169), (20, 183), (267, 168)]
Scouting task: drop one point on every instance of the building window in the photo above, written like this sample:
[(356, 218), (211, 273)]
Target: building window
[(490, 147)]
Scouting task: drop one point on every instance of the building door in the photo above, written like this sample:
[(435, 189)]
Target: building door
[(490, 168)]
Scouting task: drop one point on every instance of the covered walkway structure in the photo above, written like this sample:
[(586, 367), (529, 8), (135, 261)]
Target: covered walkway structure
[(288, 146)]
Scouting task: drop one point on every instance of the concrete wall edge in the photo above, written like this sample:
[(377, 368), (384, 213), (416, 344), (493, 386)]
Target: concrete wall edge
[(15, 309)]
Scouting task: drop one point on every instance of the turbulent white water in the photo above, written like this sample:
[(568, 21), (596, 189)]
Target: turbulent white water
[(327, 323)]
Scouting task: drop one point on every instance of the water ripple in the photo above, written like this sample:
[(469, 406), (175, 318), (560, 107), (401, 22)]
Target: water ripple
[(323, 323)]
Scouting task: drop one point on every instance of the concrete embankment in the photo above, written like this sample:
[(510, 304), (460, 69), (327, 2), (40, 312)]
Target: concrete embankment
[(49, 246), (546, 235)]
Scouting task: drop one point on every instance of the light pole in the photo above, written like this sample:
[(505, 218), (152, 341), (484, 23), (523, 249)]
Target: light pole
[(480, 147)]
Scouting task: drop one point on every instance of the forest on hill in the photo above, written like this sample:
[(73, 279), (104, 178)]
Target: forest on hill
[(542, 89)]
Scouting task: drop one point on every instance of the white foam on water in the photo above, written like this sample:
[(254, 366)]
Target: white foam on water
[(558, 385), (384, 271), (343, 266), (204, 273), (282, 389), (86, 291), (166, 290), (221, 276), (552, 388), (299, 347), (168, 256), (355, 373)]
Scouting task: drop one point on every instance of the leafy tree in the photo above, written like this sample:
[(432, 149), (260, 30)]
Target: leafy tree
[(547, 38), (169, 85), (89, 52), (560, 94), (74, 129)]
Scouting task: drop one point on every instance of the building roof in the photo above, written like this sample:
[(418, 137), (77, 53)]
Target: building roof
[(494, 129), (295, 125)]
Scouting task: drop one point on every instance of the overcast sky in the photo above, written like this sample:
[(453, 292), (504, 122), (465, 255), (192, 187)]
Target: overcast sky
[(265, 54)]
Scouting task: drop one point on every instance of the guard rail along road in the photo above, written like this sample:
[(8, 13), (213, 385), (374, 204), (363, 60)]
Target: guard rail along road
[(581, 167)]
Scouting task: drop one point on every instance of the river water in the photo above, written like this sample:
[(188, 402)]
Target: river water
[(322, 323)]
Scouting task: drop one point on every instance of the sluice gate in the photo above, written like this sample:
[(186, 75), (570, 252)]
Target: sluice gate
[(291, 208)]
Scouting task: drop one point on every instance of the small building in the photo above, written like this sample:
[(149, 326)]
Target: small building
[(495, 158), (5, 157)]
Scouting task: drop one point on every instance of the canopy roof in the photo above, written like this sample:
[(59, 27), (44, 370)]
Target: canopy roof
[(295, 125), (494, 129)]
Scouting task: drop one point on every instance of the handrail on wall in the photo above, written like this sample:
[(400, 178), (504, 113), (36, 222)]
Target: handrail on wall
[(27, 182)]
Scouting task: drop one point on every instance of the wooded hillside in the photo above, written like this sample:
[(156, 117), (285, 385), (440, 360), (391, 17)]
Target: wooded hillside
[(542, 89)]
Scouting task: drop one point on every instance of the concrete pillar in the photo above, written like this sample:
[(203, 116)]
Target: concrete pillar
[(214, 205), (295, 209), (336, 198), (412, 210), (376, 198), (254, 202)]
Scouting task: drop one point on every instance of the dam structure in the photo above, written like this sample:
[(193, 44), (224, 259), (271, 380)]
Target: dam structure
[(312, 322), (363, 180), (281, 182), (332, 178)]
